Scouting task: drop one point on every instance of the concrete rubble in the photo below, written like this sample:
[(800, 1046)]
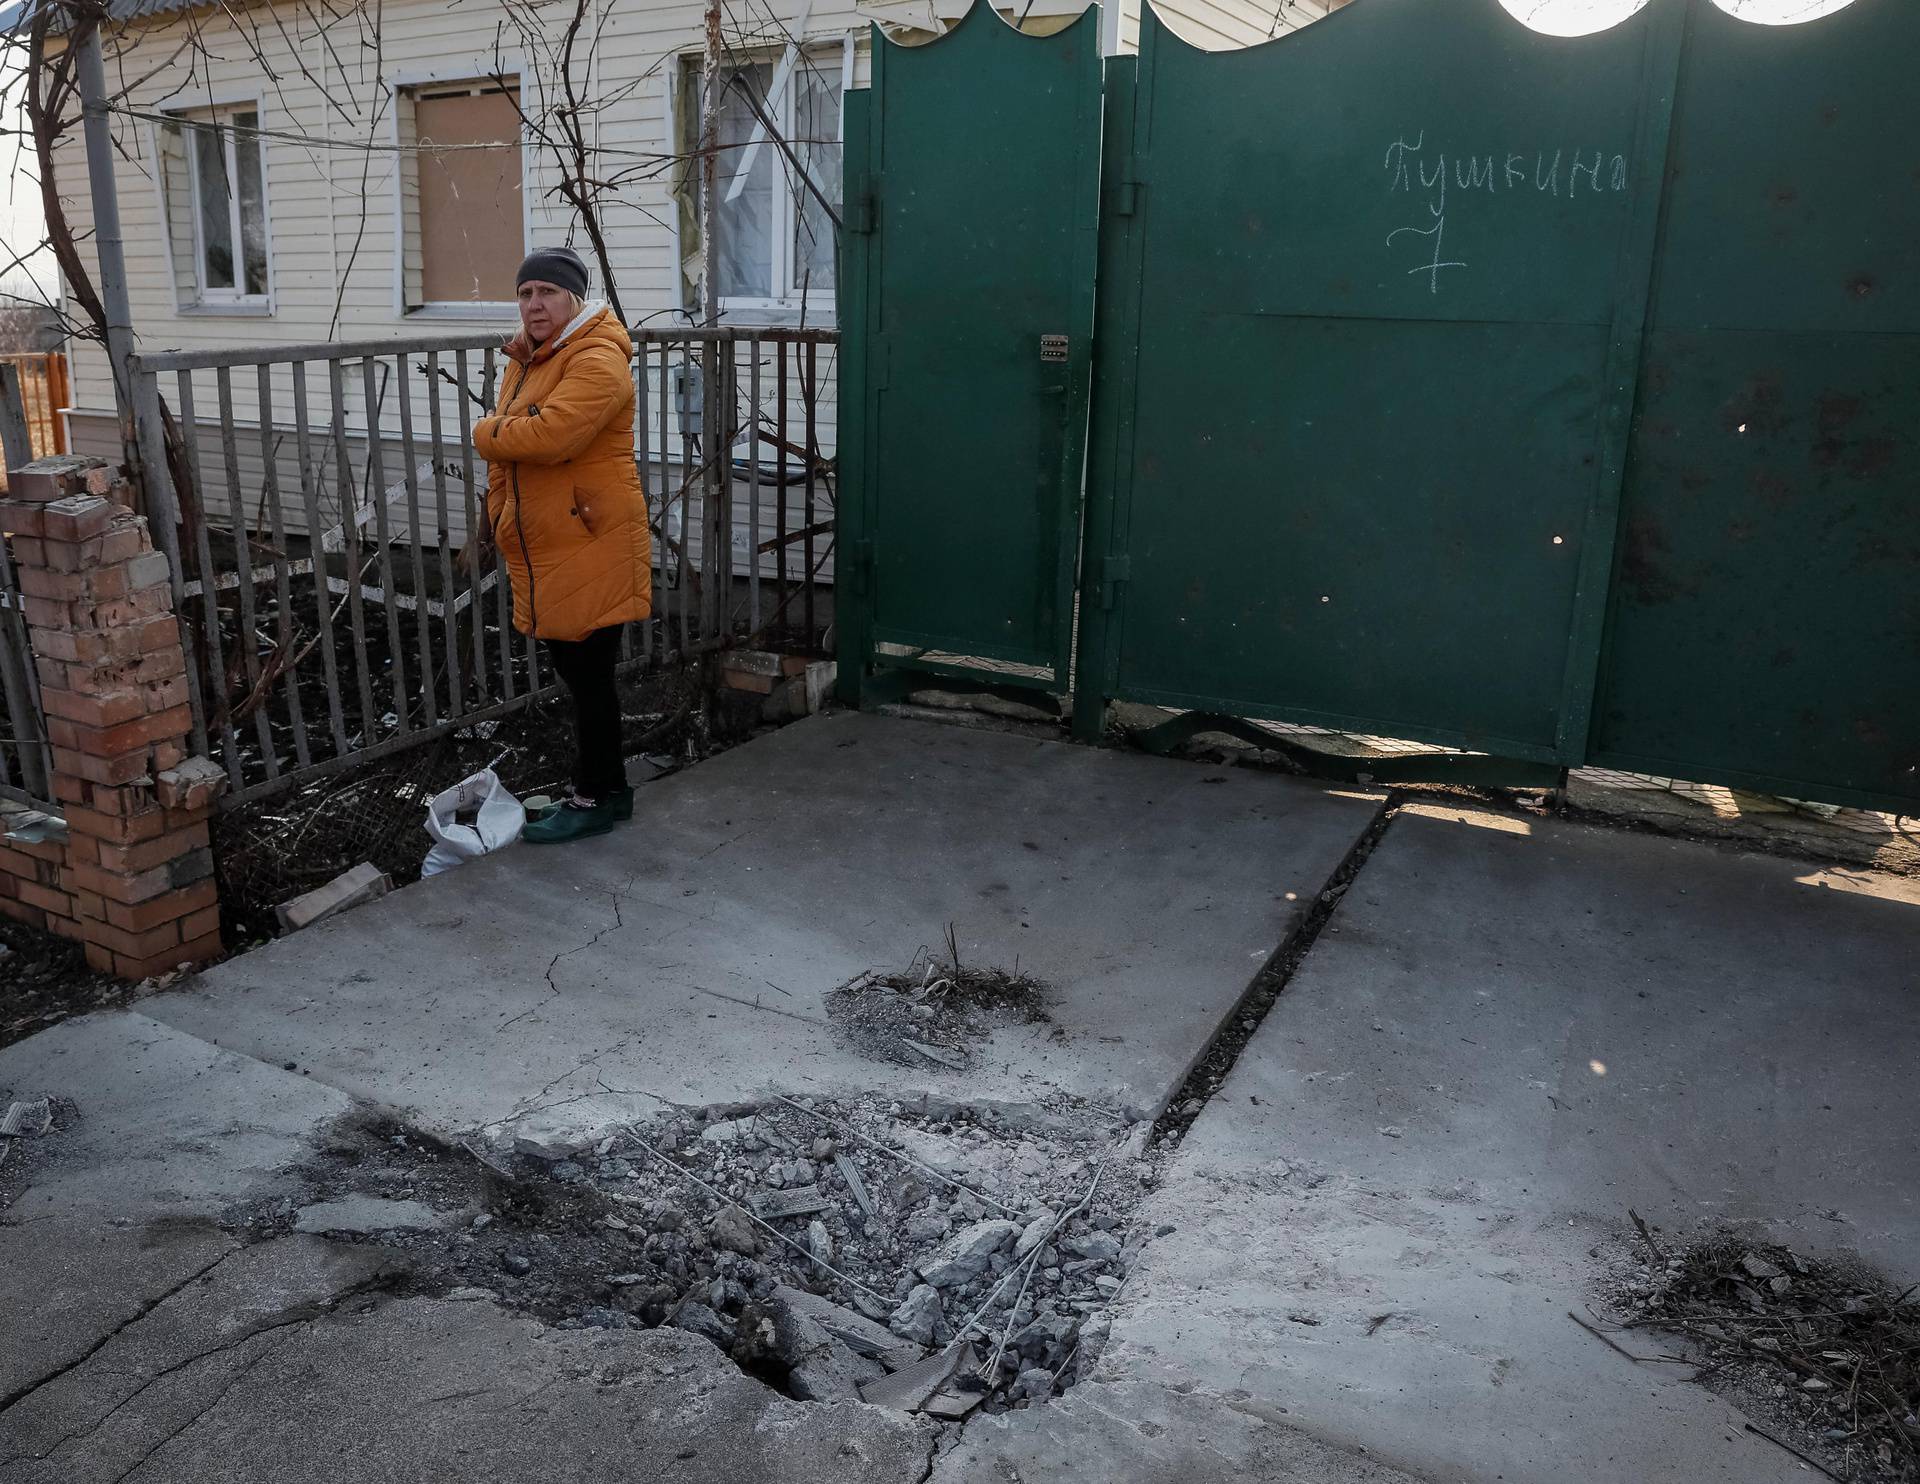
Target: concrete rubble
[(836, 1244)]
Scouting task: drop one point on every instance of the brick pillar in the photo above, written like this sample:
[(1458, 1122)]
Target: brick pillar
[(136, 884)]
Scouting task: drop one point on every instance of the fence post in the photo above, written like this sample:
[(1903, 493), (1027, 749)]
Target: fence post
[(135, 884), (91, 76), (16, 666)]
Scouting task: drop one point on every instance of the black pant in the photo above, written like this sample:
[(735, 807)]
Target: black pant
[(586, 665)]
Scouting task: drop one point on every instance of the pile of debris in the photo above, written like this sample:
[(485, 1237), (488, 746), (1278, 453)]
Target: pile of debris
[(928, 1256), (935, 1012), (1828, 1350), (21, 1121)]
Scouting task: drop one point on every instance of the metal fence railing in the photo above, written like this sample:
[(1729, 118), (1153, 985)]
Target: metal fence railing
[(40, 390), (25, 759), (324, 492)]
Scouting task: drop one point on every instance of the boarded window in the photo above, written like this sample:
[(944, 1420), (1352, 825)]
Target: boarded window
[(466, 236)]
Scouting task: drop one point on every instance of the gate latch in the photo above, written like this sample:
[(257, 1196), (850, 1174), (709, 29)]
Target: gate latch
[(1053, 348)]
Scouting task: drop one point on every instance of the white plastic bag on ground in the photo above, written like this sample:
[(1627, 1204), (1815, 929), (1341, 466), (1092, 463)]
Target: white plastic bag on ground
[(494, 818)]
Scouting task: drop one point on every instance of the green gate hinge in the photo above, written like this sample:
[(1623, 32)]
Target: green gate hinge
[(861, 218), (1109, 573), (1124, 198), (862, 568)]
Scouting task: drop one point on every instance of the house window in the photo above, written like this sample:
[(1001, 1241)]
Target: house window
[(213, 180), (463, 233), (776, 235)]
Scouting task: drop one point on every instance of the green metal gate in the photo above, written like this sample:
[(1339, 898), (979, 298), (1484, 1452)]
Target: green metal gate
[(1546, 398), (972, 168), (1765, 624)]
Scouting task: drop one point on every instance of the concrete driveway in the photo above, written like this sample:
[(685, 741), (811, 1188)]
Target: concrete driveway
[(1510, 1031)]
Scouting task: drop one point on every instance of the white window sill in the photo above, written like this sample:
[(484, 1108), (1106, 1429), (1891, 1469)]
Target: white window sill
[(490, 313), (220, 309), (817, 315)]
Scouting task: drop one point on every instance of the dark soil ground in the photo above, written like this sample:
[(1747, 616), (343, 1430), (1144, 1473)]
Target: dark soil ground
[(44, 979)]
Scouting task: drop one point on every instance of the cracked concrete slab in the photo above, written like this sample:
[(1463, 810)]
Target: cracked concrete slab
[(686, 958), (1509, 1032), (116, 1207), (153, 1374), (418, 1389)]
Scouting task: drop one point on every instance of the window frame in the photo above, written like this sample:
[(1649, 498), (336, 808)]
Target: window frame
[(235, 302), (784, 305), (510, 66)]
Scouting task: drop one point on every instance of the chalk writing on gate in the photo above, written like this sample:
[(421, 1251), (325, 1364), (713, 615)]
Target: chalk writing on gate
[(1536, 174)]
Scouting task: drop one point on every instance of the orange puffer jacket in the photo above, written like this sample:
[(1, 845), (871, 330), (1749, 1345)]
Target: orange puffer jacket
[(563, 491)]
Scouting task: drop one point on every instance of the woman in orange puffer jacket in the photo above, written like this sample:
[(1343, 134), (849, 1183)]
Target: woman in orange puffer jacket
[(566, 509)]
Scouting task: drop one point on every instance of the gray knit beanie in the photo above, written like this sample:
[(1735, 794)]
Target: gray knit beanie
[(561, 266)]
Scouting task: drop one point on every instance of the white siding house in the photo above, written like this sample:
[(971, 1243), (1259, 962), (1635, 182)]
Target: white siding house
[(328, 224), (293, 174)]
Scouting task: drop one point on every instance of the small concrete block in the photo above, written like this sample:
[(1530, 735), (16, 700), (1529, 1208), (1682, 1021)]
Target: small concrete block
[(821, 676), (53, 478), (149, 569), (366, 882), (193, 784), (23, 518), (751, 662), (77, 518)]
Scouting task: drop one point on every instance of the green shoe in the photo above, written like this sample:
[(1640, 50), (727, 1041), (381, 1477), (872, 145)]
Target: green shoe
[(621, 804), (565, 823)]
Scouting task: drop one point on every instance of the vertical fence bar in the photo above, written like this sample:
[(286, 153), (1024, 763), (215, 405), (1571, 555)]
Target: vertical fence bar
[(162, 501), (209, 583), (663, 503), (317, 554), (503, 588), (753, 489), (284, 636), (811, 391), (730, 368), (423, 625), (350, 531), (449, 616), (476, 519), (247, 640), (780, 497), (382, 533), (642, 440), (16, 672), (17, 676), (686, 494)]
